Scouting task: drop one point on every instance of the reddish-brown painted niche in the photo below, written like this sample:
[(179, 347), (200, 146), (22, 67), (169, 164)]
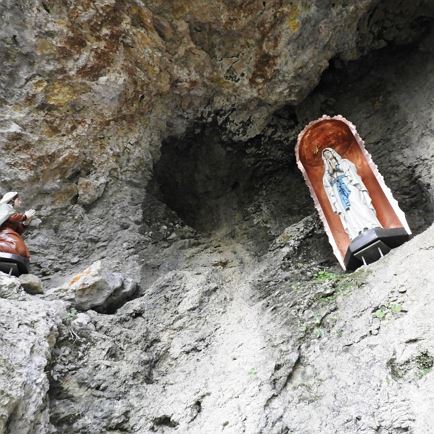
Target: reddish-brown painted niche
[(339, 134)]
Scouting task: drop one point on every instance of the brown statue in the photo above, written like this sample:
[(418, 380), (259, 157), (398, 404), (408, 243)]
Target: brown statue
[(13, 224)]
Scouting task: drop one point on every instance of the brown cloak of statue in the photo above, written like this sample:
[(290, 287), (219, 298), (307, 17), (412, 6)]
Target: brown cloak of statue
[(10, 236)]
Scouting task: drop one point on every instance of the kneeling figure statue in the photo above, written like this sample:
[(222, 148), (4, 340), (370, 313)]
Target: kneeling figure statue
[(13, 250)]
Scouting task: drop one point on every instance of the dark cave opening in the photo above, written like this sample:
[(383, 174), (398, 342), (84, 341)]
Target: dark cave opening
[(252, 190)]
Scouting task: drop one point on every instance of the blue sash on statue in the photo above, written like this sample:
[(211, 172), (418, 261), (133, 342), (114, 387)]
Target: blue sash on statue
[(343, 191)]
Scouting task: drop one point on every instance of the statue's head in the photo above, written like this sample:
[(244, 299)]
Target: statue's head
[(331, 159), (17, 201)]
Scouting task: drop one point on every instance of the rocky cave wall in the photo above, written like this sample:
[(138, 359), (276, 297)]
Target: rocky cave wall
[(91, 89), (158, 136)]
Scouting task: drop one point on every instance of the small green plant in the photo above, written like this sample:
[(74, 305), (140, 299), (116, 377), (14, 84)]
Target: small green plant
[(423, 372), (325, 276), (342, 282), (317, 332), (71, 314), (411, 369), (380, 313), (252, 371), (395, 308)]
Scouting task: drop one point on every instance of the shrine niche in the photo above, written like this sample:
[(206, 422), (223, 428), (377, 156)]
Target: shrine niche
[(362, 219)]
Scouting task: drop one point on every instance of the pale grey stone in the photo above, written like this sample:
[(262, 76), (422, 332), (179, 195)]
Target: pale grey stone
[(32, 284), (98, 289), (10, 287)]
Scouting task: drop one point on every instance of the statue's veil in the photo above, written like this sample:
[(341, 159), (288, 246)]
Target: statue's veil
[(328, 168)]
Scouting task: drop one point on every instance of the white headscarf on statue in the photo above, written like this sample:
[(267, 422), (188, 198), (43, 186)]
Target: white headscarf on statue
[(9, 197), (6, 208)]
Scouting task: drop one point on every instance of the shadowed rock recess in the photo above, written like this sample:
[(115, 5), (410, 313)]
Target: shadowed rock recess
[(156, 141)]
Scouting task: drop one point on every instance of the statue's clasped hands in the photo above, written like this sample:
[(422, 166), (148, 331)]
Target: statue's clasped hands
[(29, 214)]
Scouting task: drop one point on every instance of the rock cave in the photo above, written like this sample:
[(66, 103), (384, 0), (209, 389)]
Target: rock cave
[(187, 284)]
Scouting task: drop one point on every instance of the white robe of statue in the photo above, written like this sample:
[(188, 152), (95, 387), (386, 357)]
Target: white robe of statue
[(348, 196)]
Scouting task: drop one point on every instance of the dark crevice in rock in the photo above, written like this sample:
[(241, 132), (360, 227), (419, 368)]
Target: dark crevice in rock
[(412, 369), (394, 23), (164, 421), (196, 409), (415, 198), (46, 8), (247, 191)]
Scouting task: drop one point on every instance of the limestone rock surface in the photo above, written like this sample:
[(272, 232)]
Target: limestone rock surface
[(31, 284), (98, 289), (89, 90), (28, 334), (368, 365), (260, 350), (157, 137), (10, 287)]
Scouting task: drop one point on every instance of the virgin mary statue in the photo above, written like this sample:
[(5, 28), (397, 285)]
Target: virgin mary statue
[(348, 196)]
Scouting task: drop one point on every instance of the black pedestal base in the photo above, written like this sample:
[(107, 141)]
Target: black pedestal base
[(14, 264), (372, 245)]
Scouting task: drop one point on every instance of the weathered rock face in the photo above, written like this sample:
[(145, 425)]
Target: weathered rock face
[(158, 136), (276, 349), (28, 334), (90, 89), (31, 284), (367, 365)]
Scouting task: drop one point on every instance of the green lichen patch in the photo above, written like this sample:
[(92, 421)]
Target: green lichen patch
[(380, 313), (325, 276), (383, 311), (424, 362), (71, 314), (413, 368)]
